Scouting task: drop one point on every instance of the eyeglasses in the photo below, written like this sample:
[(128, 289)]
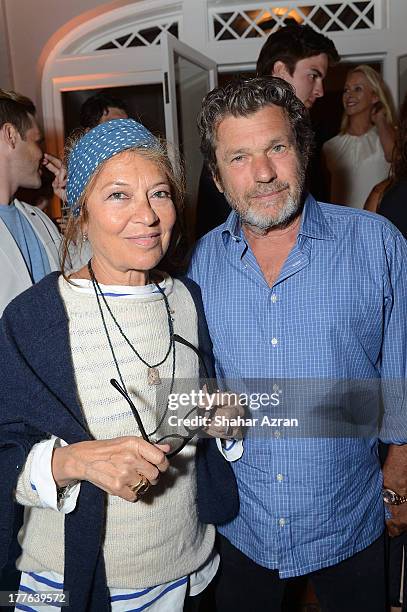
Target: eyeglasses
[(177, 441)]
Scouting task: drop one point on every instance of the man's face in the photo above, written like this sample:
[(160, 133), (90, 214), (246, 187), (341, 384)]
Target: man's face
[(307, 78), (27, 157), (258, 168)]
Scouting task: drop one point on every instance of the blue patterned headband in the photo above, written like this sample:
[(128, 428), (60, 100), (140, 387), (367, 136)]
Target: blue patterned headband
[(97, 145)]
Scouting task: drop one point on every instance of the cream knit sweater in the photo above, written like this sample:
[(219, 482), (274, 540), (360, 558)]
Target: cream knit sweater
[(159, 538)]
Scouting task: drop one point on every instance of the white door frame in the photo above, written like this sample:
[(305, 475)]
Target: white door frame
[(169, 47)]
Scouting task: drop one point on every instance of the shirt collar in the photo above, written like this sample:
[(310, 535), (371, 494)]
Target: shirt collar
[(232, 227), (313, 223)]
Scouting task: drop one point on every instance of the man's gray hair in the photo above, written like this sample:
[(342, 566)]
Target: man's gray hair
[(241, 98)]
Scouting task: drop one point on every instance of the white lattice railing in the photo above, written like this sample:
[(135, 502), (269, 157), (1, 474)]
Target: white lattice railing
[(143, 37), (253, 20)]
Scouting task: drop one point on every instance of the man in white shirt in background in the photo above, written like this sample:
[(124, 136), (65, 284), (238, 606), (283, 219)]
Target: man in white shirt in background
[(29, 241)]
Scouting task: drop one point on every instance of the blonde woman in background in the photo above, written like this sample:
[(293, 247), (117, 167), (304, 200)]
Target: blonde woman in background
[(360, 155)]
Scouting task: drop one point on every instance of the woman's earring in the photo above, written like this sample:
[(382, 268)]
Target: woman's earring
[(84, 237)]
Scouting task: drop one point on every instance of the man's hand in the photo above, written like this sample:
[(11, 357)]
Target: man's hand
[(398, 524), (395, 478), (55, 165), (224, 415)]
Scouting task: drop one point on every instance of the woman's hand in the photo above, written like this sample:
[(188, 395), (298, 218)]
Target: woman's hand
[(112, 465)]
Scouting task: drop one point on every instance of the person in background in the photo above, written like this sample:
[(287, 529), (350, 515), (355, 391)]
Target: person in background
[(299, 55), (297, 291), (29, 241), (102, 107), (389, 197), (360, 155)]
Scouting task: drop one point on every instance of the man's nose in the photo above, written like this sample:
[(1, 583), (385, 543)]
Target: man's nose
[(319, 89), (264, 169)]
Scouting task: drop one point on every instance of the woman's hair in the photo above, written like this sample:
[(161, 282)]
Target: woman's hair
[(379, 88), (74, 235)]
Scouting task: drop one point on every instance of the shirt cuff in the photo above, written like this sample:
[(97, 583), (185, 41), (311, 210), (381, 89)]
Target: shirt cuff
[(232, 450), (42, 480)]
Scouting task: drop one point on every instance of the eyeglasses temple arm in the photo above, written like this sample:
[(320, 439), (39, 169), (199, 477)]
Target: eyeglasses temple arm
[(134, 410), (181, 340)]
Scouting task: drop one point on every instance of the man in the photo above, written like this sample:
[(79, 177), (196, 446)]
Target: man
[(298, 293), (299, 55), (29, 241), (100, 108)]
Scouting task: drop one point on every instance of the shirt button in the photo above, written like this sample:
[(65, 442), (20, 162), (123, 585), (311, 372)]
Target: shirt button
[(274, 341), (280, 477), (277, 434), (274, 298), (281, 522)]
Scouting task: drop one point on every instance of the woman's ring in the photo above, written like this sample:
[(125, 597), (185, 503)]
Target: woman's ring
[(140, 487)]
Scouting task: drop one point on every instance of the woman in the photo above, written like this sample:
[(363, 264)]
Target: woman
[(389, 198), (360, 155), (76, 443)]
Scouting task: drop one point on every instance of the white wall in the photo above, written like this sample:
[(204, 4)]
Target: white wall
[(30, 25), (6, 78)]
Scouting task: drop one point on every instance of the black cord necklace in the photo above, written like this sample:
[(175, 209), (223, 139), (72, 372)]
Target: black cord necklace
[(153, 374)]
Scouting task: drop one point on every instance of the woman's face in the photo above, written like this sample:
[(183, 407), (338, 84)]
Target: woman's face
[(358, 96), (130, 216)]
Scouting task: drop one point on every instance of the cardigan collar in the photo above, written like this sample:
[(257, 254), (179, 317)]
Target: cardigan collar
[(35, 333)]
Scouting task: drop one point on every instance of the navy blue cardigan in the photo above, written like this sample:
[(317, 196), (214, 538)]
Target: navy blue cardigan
[(38, 397)]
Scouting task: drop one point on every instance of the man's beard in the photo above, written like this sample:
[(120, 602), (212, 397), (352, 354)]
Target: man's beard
[(269, 217)]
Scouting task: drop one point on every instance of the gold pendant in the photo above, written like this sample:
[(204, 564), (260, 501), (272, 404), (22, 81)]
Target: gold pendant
[(153, 376)]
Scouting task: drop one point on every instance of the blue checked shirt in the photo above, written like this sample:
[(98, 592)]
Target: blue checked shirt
[(337, 312)]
